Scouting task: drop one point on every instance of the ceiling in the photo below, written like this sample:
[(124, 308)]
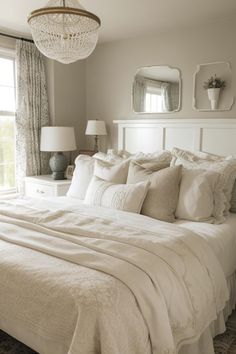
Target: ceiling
[(128, 18)]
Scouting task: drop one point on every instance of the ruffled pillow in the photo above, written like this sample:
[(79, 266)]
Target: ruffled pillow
[(225, 166)]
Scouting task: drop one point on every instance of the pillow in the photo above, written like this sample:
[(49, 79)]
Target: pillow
[(162, 155), (233, 199), (111, 156), (198, 195), (116, 196), (83, 173), (112, 173), (162, 197), (225, 166), (85, 167)]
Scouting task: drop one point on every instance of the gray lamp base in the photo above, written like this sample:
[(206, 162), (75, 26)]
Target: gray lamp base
[(58, 164)]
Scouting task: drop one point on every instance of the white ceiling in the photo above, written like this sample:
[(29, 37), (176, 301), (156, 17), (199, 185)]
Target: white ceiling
[(128, 18)]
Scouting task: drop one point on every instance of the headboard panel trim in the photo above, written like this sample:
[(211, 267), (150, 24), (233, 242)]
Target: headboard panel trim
[(210, 135)]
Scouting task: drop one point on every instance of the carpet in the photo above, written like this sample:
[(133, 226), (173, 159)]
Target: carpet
[(224, 343)]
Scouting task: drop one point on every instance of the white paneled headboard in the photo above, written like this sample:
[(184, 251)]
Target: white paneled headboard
[(217, 136)]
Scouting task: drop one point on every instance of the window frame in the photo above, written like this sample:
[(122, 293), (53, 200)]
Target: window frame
[(10, 55)]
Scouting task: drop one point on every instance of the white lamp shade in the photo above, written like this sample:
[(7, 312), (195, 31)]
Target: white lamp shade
[(96, 127), (57, 139)]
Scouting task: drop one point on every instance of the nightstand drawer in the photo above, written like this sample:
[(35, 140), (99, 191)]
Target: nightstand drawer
[(38, 190), (45, 186)]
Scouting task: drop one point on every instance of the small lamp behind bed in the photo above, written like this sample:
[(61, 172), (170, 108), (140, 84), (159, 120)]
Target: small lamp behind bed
[(58, 140), (96, 128)]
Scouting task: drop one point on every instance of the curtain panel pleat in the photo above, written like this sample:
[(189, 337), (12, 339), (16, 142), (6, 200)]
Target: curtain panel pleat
[(32, 112)]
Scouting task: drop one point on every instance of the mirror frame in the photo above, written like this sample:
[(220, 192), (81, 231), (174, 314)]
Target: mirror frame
[(180, 90), (195, 78)]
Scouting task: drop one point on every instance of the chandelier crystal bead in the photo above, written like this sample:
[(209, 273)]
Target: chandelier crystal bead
[(64, 30)]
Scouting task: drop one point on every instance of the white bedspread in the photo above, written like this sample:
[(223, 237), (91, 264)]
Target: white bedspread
[(80, 279), (220, 238)]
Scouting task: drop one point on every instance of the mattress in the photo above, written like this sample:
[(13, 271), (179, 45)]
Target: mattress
[(221, 239)]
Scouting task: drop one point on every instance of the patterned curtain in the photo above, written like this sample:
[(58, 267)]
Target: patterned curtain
[(32, 112)]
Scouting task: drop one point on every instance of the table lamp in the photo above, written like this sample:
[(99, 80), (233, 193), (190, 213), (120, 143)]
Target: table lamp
[(96, 128), (58, 140)]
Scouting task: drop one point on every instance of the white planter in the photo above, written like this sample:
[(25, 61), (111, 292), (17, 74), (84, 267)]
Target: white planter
[(213, 95)]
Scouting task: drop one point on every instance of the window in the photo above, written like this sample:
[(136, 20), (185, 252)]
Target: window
[(7, 124), (153, 99)]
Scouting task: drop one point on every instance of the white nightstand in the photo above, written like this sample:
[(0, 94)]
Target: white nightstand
[(45, 186)]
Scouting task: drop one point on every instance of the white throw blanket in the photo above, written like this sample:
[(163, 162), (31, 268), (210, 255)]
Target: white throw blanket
[(175, 278)]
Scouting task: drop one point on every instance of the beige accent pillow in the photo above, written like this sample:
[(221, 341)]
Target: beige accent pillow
[(198, 195), (116, 196), (162, 197), (83, 173), (113, 173), (225, 166)]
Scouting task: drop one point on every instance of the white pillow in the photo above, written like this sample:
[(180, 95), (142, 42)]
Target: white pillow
[(225, 166), (112, 173), (126, 197), (198, 195), (83, 173)]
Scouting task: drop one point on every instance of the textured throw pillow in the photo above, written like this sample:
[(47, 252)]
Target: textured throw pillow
[(115, 173), (84, 167), (116, 196), (225, 166), (198, 196), (158, 156), (162, 197)]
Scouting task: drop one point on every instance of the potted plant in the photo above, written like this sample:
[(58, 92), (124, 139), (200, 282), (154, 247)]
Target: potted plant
[(213, 87)]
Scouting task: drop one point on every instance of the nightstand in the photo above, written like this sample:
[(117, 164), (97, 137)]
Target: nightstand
[(45, 186)]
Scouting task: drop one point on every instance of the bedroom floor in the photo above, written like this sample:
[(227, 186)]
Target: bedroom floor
[(224, 343)]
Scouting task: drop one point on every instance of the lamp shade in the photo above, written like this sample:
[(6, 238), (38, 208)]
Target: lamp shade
[(96, 127), (57, 139)]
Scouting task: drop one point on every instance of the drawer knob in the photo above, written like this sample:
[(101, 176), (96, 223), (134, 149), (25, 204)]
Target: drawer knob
[(39, 191)]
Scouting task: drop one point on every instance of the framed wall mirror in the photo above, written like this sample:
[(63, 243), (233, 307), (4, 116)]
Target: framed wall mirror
[(157, 89), (213, 87)]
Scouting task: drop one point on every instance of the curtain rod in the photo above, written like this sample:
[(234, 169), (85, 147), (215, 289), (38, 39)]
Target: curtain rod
[(16, 37)]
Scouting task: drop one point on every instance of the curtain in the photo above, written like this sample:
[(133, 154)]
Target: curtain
[(32, 112), (166, 103), (139, 93)]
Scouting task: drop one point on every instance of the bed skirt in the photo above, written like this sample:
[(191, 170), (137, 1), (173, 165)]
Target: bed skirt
[(205, 342)]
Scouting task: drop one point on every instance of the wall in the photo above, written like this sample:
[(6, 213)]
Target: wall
[(111, 68), (67, 96)]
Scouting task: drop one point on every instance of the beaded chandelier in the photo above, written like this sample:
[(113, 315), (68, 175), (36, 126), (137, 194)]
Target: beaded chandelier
[(64, 30)]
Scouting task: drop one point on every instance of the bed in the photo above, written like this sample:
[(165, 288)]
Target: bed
[(79, 279)]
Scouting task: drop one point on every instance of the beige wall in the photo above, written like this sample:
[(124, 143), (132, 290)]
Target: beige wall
[(110, 70), (67, 96)]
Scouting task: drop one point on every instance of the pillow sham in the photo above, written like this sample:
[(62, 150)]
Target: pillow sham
[(116, 196), (83, 173), (115, 173), (198, 196), (159, 156), (162, 197), (225, 166)]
